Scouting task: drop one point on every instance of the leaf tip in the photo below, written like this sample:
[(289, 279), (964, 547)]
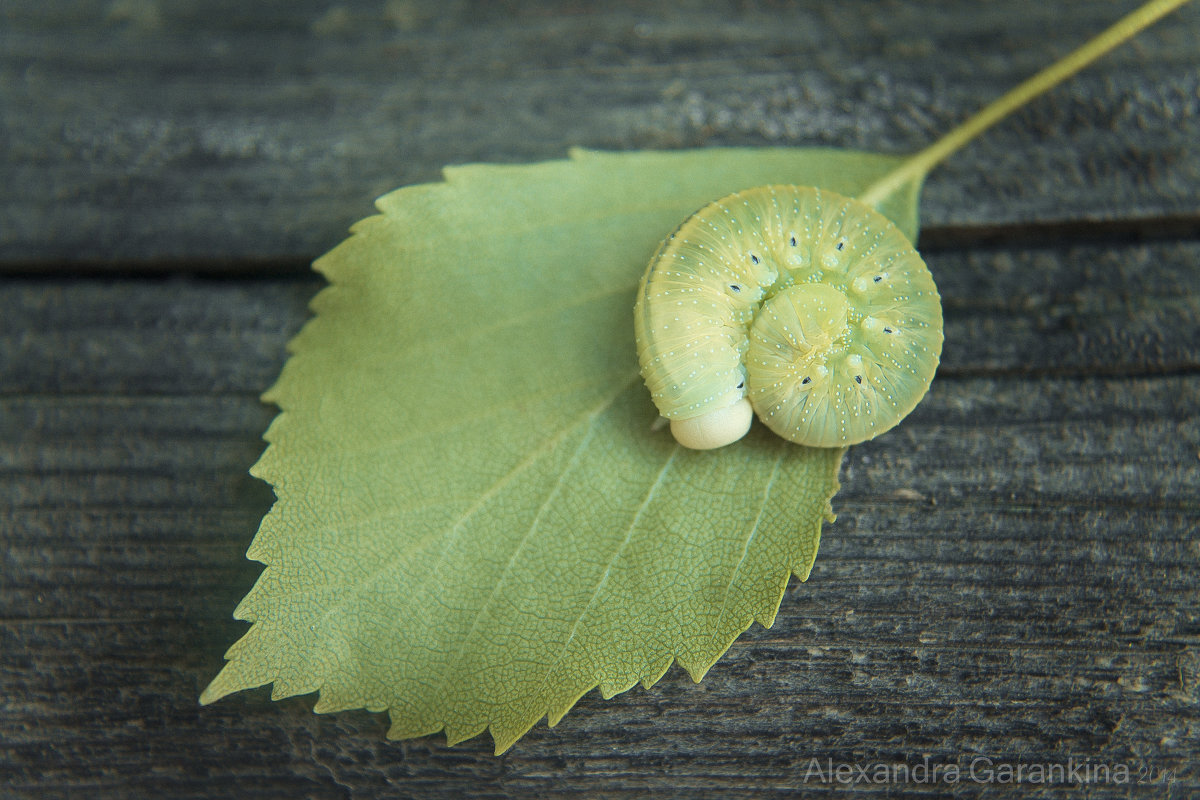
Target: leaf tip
[(503, 740), (236, 676), (217, 689)]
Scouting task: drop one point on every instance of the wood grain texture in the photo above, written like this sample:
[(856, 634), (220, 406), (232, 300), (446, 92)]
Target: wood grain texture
[(1013, 572), (144, 133)]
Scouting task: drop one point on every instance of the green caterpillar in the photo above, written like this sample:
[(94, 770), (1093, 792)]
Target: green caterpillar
[(805, 307)]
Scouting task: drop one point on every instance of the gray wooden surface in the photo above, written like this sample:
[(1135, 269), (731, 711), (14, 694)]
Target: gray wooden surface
[(1013, 573)]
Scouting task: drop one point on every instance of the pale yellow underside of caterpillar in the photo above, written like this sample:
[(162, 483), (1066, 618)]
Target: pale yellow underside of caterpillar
[(809, 307)]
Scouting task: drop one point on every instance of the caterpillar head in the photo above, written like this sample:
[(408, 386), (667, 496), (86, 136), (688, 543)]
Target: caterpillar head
[(807, 307)]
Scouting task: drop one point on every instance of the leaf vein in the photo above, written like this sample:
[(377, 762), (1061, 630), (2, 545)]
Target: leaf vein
[(497, 486), (502, 579), (750, 537), (493, 411), (608, 568), (441, 342)]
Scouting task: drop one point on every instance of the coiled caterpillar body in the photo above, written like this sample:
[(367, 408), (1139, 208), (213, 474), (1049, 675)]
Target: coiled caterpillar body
[(806, 306)]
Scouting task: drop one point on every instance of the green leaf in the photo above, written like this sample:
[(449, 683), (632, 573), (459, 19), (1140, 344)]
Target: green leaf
[(477, 520)]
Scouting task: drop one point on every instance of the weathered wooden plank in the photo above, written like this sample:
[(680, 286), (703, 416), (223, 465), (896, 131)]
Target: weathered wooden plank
[(1088, 309), (1034, 600), (249, 134), (125, 337), (1120, 448)]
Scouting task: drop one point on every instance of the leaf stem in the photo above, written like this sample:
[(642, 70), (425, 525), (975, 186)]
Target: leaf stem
[(919, 165)]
